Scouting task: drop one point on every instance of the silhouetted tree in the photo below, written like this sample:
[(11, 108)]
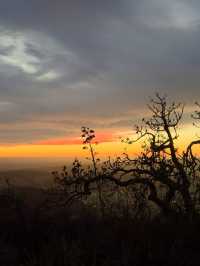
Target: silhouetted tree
[(165, 176), (88, 135)]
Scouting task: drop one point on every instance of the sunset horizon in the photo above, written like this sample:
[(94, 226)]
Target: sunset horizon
[(99, 132), (94, 64)]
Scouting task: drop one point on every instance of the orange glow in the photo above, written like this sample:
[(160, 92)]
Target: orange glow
[(62, 141), (109, 145), (100, 138), (103, 149)]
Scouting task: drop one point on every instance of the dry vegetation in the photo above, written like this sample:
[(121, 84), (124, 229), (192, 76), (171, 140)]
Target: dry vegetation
[(124, 211)]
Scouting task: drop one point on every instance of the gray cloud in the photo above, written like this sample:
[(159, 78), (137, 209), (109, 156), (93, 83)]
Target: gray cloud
[(94, 60)]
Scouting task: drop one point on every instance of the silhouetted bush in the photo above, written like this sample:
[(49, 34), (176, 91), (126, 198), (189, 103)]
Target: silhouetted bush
[(124, 211), (159, 175)]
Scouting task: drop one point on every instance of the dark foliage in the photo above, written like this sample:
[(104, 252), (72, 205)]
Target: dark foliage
[(124, 211), (160, 174)]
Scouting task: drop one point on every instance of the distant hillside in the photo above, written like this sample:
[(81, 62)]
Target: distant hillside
[(27, 177)]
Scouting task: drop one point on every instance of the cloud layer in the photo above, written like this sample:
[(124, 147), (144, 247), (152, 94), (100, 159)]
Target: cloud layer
[(65, 64)]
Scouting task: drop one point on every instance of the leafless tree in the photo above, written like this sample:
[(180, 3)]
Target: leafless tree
[(166, 177)]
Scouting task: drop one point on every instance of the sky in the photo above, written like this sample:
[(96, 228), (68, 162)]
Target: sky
[(66, 64)]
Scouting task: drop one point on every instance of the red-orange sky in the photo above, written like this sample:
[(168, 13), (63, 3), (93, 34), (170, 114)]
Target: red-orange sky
[(109, 144)]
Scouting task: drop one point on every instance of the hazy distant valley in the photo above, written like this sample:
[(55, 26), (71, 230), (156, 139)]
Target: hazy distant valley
[(27, 177), (35, 173)]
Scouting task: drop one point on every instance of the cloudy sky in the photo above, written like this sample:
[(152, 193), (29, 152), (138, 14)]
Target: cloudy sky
[(64, 64)]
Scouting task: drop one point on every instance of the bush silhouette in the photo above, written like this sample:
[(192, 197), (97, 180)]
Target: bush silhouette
[(123, 211)]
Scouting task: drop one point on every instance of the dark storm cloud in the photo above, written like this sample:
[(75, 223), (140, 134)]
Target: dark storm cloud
[(91, 60)]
